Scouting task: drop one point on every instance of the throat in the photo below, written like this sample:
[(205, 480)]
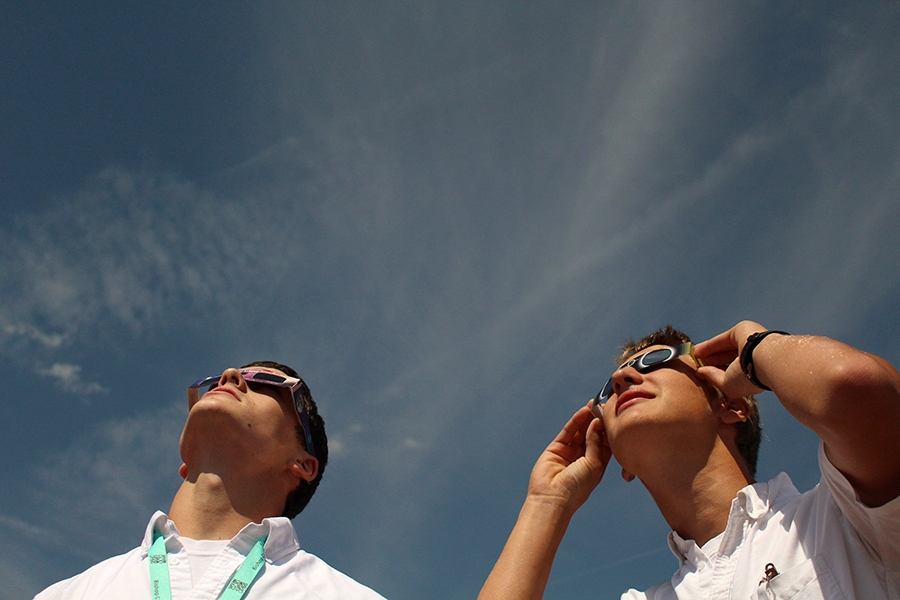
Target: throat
[(205, 509), (698, 508)]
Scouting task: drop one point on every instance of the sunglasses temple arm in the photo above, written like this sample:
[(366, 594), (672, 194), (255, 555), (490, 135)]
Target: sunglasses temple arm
[(699, 362)]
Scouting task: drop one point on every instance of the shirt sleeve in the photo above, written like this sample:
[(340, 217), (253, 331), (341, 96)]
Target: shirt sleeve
[(878, 527)]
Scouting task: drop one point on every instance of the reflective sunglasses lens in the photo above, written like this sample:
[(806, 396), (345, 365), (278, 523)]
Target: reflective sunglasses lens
[(641, 363), (263, 377), (603, 396), (654, 358), (205, 381)]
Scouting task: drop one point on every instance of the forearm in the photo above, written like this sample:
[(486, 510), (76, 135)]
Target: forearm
[(829, 386), (522, 571), (562, 479), (849, 398)]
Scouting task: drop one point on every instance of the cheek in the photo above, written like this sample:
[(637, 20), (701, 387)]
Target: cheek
[(284, 421), (614, 423)]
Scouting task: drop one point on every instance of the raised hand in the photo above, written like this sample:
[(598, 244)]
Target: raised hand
[(721, 355), (573, 464)]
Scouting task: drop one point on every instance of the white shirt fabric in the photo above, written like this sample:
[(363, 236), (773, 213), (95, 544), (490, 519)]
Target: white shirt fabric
[(201, 554), (822, 544), (289, 572)]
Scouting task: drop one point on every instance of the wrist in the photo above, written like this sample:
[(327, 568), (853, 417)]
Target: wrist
[(746, 358), (545, 520), (550, 508)]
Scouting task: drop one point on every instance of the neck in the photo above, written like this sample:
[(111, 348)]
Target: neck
[(696, 502), (208, 506)]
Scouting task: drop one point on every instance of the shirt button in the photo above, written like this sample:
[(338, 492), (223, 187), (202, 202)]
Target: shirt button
[(173, 560), (702, 566)]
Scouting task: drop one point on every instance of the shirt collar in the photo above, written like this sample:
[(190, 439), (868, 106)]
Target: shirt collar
[(761, 499), (756, 502), (282, 538)]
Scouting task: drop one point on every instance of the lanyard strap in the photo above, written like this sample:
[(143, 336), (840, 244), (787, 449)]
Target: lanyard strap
[(236, 588), (246, 573), (159, 569)]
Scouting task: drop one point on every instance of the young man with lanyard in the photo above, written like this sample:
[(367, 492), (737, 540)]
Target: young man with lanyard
[(254, 449), (683, 428)]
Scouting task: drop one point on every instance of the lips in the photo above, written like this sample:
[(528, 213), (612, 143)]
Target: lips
[(628, 397), (225, 390)]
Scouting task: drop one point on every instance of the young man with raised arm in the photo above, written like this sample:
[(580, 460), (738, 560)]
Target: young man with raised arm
[(254, 450), (682, 419)]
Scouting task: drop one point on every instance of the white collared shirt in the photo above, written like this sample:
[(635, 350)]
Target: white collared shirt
[(289, 572), (822, 544)]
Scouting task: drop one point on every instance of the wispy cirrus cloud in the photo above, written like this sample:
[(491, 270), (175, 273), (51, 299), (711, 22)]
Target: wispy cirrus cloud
[(130, 253), (17, 331), (68, 377)]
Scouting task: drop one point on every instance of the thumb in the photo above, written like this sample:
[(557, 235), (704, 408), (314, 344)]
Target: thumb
[(712, 375), (597, 451), (731, 381)]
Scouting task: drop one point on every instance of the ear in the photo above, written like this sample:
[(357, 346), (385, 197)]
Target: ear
[(305, 467), (627, 476), (735, 410), (182, 470)]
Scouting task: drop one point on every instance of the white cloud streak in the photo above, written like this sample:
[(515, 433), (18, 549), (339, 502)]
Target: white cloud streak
[(69, 379), (11, 331)]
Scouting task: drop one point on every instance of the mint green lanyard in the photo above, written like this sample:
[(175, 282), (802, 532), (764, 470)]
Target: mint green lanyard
[(236, 588)]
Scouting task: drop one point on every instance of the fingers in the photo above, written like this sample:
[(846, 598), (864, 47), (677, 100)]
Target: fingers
[(722, 354), (719, 350), (720, 343), (574, 431), (572, 465), (583, 436), (731, 381), (725, 347), (712, 375)]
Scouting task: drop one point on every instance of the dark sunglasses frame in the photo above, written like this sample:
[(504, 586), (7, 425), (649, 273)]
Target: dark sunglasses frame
[(266, 378), (647, 361)]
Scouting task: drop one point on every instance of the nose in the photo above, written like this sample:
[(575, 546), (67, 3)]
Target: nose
[(233, 376), (625, 378)]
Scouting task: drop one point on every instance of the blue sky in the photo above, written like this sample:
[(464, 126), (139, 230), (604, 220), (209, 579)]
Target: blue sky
[(446, 216)]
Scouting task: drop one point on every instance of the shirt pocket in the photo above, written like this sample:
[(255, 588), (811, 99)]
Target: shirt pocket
[(810, 580)]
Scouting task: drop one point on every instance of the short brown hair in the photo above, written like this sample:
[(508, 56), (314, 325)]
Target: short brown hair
[(749, 432), (300, 497)]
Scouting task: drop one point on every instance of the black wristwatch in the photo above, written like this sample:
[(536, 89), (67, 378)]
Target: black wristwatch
[(747, 356)]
